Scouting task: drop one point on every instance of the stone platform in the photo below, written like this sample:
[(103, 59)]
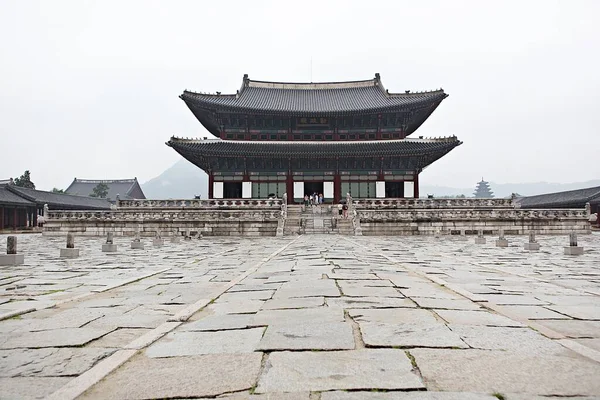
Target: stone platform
[(307, 317)]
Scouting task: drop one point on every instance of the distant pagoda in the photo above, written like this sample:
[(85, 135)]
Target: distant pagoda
[(483, 191)]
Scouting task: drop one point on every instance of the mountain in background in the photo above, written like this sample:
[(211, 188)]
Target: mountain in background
[(184, 181), (181, 181)]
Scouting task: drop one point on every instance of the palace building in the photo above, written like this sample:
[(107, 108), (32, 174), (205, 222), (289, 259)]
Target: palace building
[(300, 138)]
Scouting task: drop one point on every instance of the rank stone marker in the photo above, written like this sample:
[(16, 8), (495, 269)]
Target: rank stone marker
[(463, 236), (480, 239), (109, 246), (532, 245), (573, 249), (70, 251), (176, 238), (158, 241), (11, 257), (501, 242), (137, 243)]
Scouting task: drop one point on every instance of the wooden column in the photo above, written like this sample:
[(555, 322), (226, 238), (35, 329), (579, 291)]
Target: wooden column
[(15, 218), (1, 218), (337, 188), (416, 185), (289, 183), (210, 185)]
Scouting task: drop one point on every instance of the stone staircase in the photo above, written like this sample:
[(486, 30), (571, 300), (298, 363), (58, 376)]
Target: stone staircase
[(315, 220)]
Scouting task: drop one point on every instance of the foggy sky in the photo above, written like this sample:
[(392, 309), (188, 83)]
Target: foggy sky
[(89, 89)]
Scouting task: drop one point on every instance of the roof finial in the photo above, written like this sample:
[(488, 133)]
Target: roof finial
[(377, 77)]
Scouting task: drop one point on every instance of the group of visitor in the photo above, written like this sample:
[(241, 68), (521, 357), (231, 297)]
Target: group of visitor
[(314, 199)]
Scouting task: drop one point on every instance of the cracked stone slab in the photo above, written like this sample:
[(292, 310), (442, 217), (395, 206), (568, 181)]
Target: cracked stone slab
[(179, 377), (394, 316), (574, 328), (67, 337), (446, 304), (584, 312), (308, 336), (370, 302), (498, 371), (462, 317), (406, 396), (237, 307), (320, 315), (534, 312), (520, 340), (298, 302), (268, 396), (219, 322), (343, 370), (380, 334), (25, 388), (71, 318), (119, 337), (177, 344), (49, 361)]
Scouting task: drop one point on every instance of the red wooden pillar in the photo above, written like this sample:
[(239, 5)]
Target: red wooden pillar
[(1, 218), (210, 185), (289, 182), (15, 218), (416, 185), (337, 188), (289, 188)]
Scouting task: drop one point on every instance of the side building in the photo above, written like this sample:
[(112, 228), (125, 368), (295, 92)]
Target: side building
[(568, 199), (303, 138), (126, 188), (20, 207)]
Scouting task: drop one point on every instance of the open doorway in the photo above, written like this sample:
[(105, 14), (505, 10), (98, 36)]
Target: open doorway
[(394, 189), (232, 190), (313, 187)]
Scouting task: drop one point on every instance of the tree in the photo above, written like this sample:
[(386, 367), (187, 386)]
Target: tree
[(56, 190), (101, 190), (25, 181)]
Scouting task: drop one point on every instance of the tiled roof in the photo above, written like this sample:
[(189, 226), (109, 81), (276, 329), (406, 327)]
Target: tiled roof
[(122, 187), (335, 97), (59, 201), (7, 197), (571, 198), (305, 149)]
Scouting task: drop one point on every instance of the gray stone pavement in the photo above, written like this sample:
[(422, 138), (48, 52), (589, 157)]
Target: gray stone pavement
[(309, 317)]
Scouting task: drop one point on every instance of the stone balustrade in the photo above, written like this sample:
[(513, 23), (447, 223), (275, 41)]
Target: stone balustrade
[(425, 221), (431, 203), (200, 204)]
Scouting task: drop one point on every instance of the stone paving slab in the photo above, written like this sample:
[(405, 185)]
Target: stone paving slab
[(359, 369), (406, 396), (178, 344), (499, 371), (26, 388), (151, 378), (308, 336)]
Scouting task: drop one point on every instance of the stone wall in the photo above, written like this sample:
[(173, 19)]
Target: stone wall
[(171, 217), (267, 218), (451, 216)]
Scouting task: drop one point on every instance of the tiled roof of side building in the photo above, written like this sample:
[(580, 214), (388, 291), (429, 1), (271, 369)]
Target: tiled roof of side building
[(59, 201), (571, 198), (122, 187), (7, 197), (334, 97), (216, 148)]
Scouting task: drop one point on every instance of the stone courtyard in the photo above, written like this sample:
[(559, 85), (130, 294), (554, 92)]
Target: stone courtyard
[(303, 317)]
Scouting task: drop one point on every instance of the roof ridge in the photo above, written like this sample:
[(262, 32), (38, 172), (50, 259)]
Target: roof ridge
[(597, 188), (127, 180)]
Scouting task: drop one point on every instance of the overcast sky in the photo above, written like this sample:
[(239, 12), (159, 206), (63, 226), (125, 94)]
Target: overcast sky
[(89, 89)]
